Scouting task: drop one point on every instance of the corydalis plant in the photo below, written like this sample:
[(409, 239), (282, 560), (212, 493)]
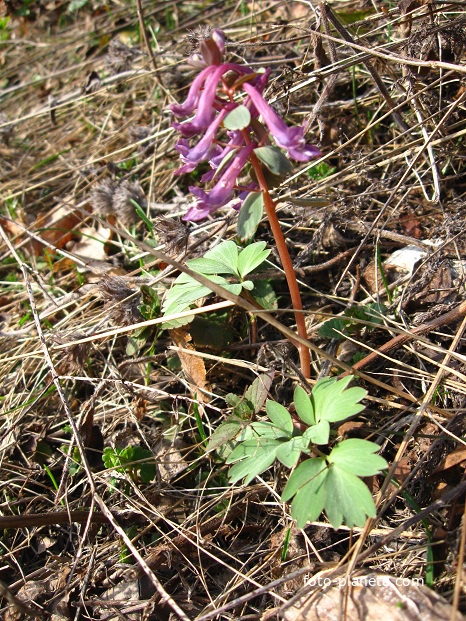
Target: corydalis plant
[(232, 126), (228, 96)]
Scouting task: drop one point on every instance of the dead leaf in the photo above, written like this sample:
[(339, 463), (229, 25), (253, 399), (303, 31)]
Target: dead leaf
[(411, 225), (456, 458), (93, 242), (193, 366)]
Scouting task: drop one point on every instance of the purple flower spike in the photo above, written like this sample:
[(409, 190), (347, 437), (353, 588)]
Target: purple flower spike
[(289, 138), (204, 150), (222, 192)]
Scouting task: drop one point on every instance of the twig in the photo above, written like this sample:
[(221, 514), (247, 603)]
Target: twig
[(401, 339), (49, 519)]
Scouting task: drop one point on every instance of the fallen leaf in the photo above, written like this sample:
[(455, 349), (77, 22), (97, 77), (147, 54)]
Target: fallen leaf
[(411, 225), (193, 366), (456, 458), (92, 244)]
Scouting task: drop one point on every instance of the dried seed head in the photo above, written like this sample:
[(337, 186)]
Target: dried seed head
[(122, 206), (195, 37), (173, 233), (109, 197), (101, 197), (121, 302), (120, 57), (74, 357)]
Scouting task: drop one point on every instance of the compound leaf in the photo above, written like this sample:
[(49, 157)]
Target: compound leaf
[(251, 257), (318, 434), (256, 458)]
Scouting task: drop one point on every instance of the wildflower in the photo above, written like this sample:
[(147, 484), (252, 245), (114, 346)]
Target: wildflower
[(204, 150), (188, 107), (206, 101), (211, 98), (289, 138), (222, 192)]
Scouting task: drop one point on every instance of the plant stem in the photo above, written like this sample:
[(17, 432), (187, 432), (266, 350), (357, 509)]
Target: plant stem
[(287, 264)]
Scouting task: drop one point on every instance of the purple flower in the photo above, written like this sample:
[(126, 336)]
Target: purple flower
[(188, 107), (222, 192), (205, 100), (204, 150), (289, 138)]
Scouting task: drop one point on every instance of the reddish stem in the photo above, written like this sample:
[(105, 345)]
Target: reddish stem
[(287, 264)]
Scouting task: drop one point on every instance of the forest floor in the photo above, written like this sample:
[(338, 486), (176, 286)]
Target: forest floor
[(115, 501)]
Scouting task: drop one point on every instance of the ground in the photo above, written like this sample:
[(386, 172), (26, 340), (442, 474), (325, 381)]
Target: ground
[(116, 498)]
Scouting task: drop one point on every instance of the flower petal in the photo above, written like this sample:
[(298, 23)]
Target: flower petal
[(222, 192), (289, 138)]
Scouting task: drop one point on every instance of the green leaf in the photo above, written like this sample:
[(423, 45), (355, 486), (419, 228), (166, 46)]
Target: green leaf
[(279, 416), (289, 452), (250, 216), (242, 406), (309, 472), (303, 405), (147, 472), (256, 458), (306, 485), (75, 5), (238, 118), (264, 294), (332, 400), (347, 499), (318, 434), (331, 329), (269, 431), (225, 432), (274, 160), (258, 390), (205, 266), (251, 257), (358, 457), (227, 254)]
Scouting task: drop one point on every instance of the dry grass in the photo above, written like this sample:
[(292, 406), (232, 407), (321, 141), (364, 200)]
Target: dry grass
[(83, 120)]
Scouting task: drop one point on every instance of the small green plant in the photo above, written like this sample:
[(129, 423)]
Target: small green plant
[(350, 322), (221, 264), (330, 478), (321, 171), (136, 461), (244, 408)]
